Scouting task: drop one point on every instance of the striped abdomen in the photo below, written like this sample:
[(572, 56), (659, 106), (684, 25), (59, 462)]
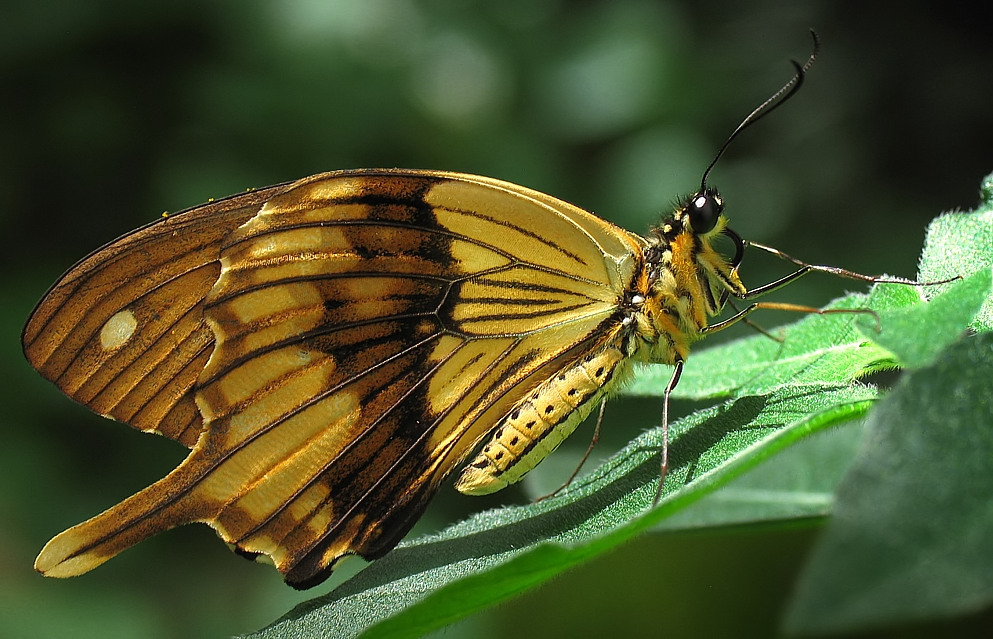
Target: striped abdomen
[(540, 423)]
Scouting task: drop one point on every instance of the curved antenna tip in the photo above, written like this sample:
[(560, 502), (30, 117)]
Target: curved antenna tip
[(771, 104)]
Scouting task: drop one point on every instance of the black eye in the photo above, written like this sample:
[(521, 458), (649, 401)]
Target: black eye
[(705, 209)]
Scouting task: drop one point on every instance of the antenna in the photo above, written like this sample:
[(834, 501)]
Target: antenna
[(770, 105)]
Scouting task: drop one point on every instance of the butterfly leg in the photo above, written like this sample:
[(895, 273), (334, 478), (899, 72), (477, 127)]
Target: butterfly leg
[(589, 450), (756, 327), (664, 469), (833, 270), (778, 306)]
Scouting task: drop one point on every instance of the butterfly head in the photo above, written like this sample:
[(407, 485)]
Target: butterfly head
[(695, 219), (702, 214), (688, 276)]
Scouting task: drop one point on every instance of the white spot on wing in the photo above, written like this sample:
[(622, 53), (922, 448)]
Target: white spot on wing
[(118, 330)]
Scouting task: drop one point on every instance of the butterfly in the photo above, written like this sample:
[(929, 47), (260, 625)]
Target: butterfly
[(332, 349)]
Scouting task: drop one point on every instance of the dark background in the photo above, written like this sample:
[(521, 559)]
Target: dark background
[(113, 112)]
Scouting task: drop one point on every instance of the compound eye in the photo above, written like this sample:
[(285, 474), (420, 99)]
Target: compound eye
[(705, 209)]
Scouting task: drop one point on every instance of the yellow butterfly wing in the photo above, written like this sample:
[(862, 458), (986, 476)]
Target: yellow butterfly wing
[(370, 330), (148, 285)]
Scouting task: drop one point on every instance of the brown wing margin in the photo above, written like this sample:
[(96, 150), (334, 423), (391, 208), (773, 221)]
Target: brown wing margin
[(152, 282)]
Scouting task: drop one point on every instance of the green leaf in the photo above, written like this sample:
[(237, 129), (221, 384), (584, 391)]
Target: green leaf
[(917, 331), (909, 538), (430, 582), (959, 244), (911, 534), (798, 483)]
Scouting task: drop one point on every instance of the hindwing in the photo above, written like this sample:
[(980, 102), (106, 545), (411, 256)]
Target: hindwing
[(369, 330)]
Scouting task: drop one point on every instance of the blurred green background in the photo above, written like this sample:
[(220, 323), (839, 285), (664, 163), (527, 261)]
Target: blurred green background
[(113, 112)]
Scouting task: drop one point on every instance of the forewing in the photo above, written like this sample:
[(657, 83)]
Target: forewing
[(371, 329), (122, 331)]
